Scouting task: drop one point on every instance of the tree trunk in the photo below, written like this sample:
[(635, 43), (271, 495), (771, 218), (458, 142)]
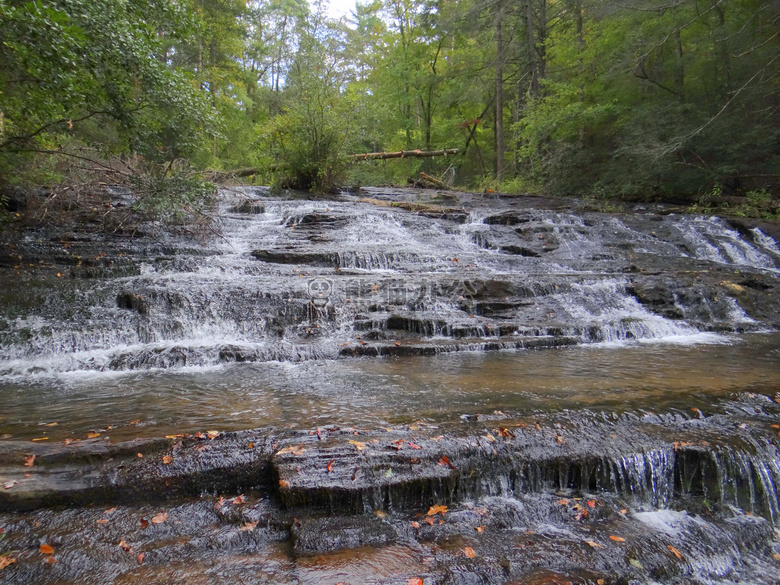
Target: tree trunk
[(500, 147)]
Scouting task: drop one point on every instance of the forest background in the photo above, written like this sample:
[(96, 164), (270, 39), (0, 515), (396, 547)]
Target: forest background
[(652, 99)]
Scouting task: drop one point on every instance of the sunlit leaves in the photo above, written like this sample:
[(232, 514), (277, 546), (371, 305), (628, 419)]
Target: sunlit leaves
[(46, 549)]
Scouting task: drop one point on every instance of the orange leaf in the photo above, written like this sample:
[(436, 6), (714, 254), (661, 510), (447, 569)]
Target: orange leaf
[(93, 435), (238, 500), (29, 460), (330, 465), (5, 561), (616, 538), (429, 520), (415, 524), (433, 510), (592, 503), (480, 529), (469, 552), (135, 422), (358, 445), (250, 446), (415, 581), (167, 459), (50, 560), (675, 552), (140, 558), (414, 445), (284, 483), (110, 511), (248, 527), (212, 435), (101, 521), (445, 462), (380, 514), (593, 544), (219, 503), (563, 501), (47, 549), (160, 518), (124, 546), (139, 455)]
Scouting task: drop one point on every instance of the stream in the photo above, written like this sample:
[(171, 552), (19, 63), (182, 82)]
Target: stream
[(393, 386)]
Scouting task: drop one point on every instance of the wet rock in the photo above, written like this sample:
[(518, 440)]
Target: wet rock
[(327, 534), (297, 257), (250, 207)]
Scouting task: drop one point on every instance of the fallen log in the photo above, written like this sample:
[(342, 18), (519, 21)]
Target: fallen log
[(434, 181), (404, 154)]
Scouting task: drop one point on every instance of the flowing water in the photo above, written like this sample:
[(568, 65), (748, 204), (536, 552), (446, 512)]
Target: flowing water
[(561, 355)]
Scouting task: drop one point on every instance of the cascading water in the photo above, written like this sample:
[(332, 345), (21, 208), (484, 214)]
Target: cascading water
[(660, 430)]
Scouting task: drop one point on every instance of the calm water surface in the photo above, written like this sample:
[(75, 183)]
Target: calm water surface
[(375, 392)]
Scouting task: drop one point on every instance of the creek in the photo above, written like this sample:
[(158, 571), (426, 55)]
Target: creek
[(592, 397)]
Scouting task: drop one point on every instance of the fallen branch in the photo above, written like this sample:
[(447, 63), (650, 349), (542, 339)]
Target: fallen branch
[(434, 181), (404, 154)]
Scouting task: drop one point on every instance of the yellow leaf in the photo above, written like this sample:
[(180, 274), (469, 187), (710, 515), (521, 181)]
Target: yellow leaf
[(616, 538), (358, 445), (41, 439), (93, 435), (433, 510)]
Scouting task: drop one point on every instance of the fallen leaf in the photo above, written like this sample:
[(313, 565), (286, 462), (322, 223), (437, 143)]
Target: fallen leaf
[(506, 433), (480, 528), (592, 503), (101, 521), (429, 520), (593, 544), (29, 460), (144, 523), (93, 435), (433, 510), (248, 527), (380, 514), (124, 546), (140, 558), (284, 483), (139, 455), (167, 459), (776, 556), (135, 422), (250, 446), (563, 501), (330, 465), (212, 435), (582, 514), (293, 449), (415, 524), (469, 552), (238, 500), (600, 582), (414, 445), (67, 442), (47, 549), (415, 581), (624, 511), (560, 439), (5, 561), (160, 518), (50, 560), (398, 343), (679, 444), (52, 424), (358, 445), (616, 538), (675, 552), (9, 484), (41, 439), (445, 462), (490, 438)]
